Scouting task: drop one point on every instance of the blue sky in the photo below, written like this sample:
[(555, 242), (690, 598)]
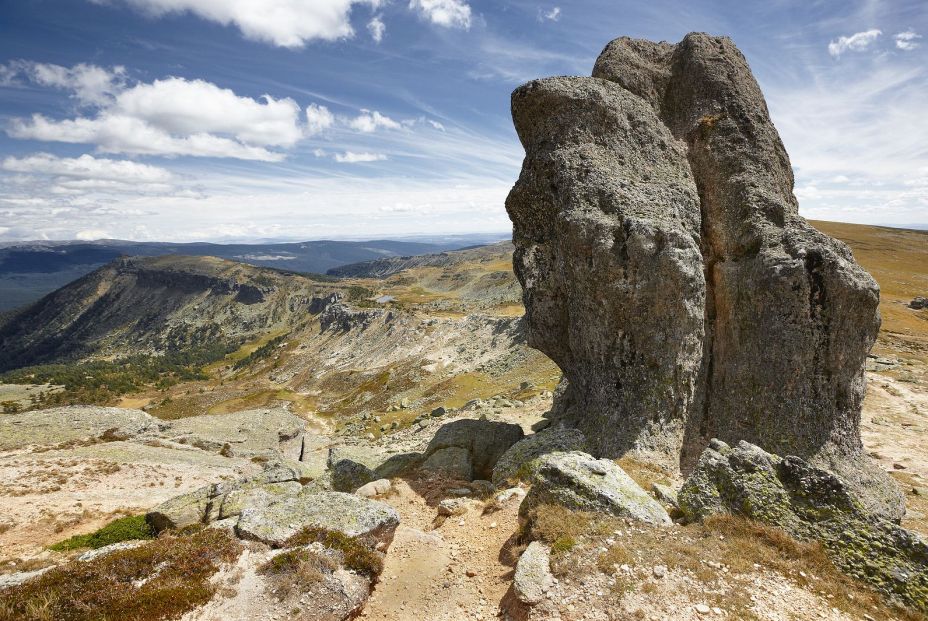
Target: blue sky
[(243, 120)]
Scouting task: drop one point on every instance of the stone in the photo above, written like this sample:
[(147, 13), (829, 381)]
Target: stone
[(452, 506), (666, 270), (520, 460), (374, 488), (702, 609), (485, 442), (533, 576), (919, 303), (181, 511), (236, 500), (348, 514), (580, 482), (810, 503), (90, 555), (348, 476), (439, 411), (665, 494), (453, 462), (659, 571)]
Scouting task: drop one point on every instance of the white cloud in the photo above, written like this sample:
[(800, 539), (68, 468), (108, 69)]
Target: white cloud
[(906, 40), (89, 84), (318, 119), (350, 157), (87, 168), (447, 13), (436, 125), (175, 116), (370, 121), (552, 15), (284, 23), (377, 28), (857, 42), (91, 235)]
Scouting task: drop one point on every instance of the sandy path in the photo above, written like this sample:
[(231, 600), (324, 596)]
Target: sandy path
[(426, 572)]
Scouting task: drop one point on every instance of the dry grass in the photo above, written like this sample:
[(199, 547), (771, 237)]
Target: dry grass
[(721, 549), (160, 580), (296, 571), (358, 555)]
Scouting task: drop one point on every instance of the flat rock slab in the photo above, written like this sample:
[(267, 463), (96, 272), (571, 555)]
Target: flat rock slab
[(348, 514), (67, 424), (580, 482)]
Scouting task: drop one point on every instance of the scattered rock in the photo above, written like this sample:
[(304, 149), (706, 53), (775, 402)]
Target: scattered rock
[(919, 303), (533, 576), (578, 481), (374, 488), (665, 494), (348, 475), (89, 555), (452, 506), (810, 504), (439, 411), (520, 460)]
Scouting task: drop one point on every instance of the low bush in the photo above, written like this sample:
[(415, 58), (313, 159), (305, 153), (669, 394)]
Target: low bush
[(162, 579), (129, 528)]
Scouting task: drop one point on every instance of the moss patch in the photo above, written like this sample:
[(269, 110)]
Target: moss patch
[(358, 556)]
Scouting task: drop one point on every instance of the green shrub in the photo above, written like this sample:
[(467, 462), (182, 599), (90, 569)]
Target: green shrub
[(124, 529)]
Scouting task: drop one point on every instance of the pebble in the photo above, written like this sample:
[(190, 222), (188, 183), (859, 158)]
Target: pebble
[(659, 571), (703, 609)]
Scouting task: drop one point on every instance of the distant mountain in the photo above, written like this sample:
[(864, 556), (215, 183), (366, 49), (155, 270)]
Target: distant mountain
[(156, 305), (386, 267), (29, 270)]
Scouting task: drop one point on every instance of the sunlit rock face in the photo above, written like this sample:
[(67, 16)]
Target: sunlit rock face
[(666, 270)]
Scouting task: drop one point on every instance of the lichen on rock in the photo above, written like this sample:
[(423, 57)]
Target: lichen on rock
[(666, 270), (810, 504)]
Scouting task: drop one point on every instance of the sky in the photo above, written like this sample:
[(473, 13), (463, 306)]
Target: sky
[(250, 120)]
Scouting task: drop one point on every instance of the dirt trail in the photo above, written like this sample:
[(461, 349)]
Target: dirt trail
[(461, 569)]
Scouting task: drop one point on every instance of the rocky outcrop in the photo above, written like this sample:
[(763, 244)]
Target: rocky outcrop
[(348, 514), (666, 270), (521, 459), (228, 499), (810, 504), (469, 448), (580, 482)]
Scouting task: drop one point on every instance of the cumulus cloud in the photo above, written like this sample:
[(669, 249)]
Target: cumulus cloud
[(907, 40), (284, 23), (318, 119), (377, 28), (350, 157), (447, 13), (370, 121), (857, 42), (89, 84), (86, 168), (176, 116)]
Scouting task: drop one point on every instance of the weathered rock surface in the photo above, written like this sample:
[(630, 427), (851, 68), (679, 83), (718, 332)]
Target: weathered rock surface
[(581, 482), (533, 576), (666, 270), (520, 459), (348, 514), (223, 500), (483, 442), (809, 503), (451, 461)]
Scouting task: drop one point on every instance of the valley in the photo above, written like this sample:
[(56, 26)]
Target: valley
[(373, 363)]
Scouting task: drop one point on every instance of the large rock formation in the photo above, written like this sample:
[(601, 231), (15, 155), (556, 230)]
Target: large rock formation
[(666, 270)]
